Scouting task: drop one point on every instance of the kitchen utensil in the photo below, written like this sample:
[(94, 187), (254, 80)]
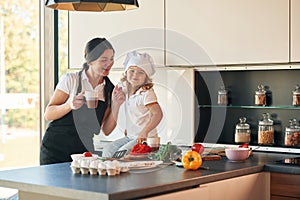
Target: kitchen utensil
[(237, 154), (154, 143), (91, 99), (119, 154), (290, 161), (242, 132), (266, 130), (296, 96), (179, 164), (222, 96), (143, 164), (211, 157)]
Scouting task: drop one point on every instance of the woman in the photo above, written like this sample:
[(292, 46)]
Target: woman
[(73, 123), (143, 112)]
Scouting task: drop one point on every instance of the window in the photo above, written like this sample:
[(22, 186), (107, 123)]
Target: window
[(19, 83)]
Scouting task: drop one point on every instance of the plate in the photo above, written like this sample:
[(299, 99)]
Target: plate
[(143, 164), (137, 156), (145, 167)]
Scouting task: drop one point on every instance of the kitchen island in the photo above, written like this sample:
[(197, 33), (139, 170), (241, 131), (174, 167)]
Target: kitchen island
[(57, 180)]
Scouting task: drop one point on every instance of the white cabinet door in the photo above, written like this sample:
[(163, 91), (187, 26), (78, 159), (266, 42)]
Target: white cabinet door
[(295, 31), (227, 32), (140, 29)]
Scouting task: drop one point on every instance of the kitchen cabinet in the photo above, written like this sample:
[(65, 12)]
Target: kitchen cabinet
[(139, 29), (200, 32), (253, 186), (35, 196), (216, 123), (295, 31), (285, 186), (204, 33)]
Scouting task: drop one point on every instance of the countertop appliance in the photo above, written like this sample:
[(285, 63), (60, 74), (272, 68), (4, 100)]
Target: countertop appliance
[(290, 161)]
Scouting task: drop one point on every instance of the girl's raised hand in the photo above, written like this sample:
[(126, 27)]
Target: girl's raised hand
[(118, 96)]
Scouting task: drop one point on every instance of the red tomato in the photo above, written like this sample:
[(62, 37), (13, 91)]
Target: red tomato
[(198, 148), (244, 145), (87, 154)]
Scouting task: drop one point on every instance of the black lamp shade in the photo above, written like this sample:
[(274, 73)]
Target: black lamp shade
[(92, 5)]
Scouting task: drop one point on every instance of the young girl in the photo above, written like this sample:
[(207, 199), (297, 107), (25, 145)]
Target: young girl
[(143, 113)]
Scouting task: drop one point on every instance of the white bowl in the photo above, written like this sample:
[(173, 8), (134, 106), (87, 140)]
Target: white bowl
[(237, 154)]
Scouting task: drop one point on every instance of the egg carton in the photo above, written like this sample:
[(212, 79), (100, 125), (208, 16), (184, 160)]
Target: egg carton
[(98, 167)]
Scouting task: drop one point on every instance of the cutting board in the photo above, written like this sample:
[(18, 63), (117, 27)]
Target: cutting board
[(215, 151)]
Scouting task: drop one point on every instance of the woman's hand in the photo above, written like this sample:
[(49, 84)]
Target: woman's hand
[(62, 103), (77, 101)]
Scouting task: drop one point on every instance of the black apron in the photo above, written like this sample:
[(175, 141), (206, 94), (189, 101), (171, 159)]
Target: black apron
[(73, 133)]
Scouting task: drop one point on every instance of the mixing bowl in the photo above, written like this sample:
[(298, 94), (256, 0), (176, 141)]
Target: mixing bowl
[(237, 154)]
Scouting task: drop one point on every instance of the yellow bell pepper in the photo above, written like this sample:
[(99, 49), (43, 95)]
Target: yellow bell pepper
[(191, 160)]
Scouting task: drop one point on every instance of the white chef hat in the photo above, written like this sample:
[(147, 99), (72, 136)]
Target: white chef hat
[(142, 60)]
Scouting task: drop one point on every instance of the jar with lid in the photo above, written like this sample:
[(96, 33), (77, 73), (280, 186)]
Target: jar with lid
[(222, 96), (260, 96), (242, 131), (292, 134), (296, 96), (265, 130)]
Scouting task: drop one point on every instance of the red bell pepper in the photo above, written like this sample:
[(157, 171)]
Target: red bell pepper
[(141, 148)]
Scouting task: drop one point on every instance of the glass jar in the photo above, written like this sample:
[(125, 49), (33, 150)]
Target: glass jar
[(222, 96), (266, 130), (260, 96), (292, 134), (296, 96), (242, 131)]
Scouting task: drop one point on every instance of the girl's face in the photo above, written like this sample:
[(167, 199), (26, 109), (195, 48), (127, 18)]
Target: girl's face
[(136, 76), (103, 64)]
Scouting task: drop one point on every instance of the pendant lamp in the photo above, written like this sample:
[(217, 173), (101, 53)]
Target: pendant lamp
[(92, 5)]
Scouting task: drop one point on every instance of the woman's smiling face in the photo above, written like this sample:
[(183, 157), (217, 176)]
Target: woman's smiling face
[(103, 64), (136, 76)]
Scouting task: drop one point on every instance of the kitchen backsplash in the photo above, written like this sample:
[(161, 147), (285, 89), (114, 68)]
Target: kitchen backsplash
[(242, 85)]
